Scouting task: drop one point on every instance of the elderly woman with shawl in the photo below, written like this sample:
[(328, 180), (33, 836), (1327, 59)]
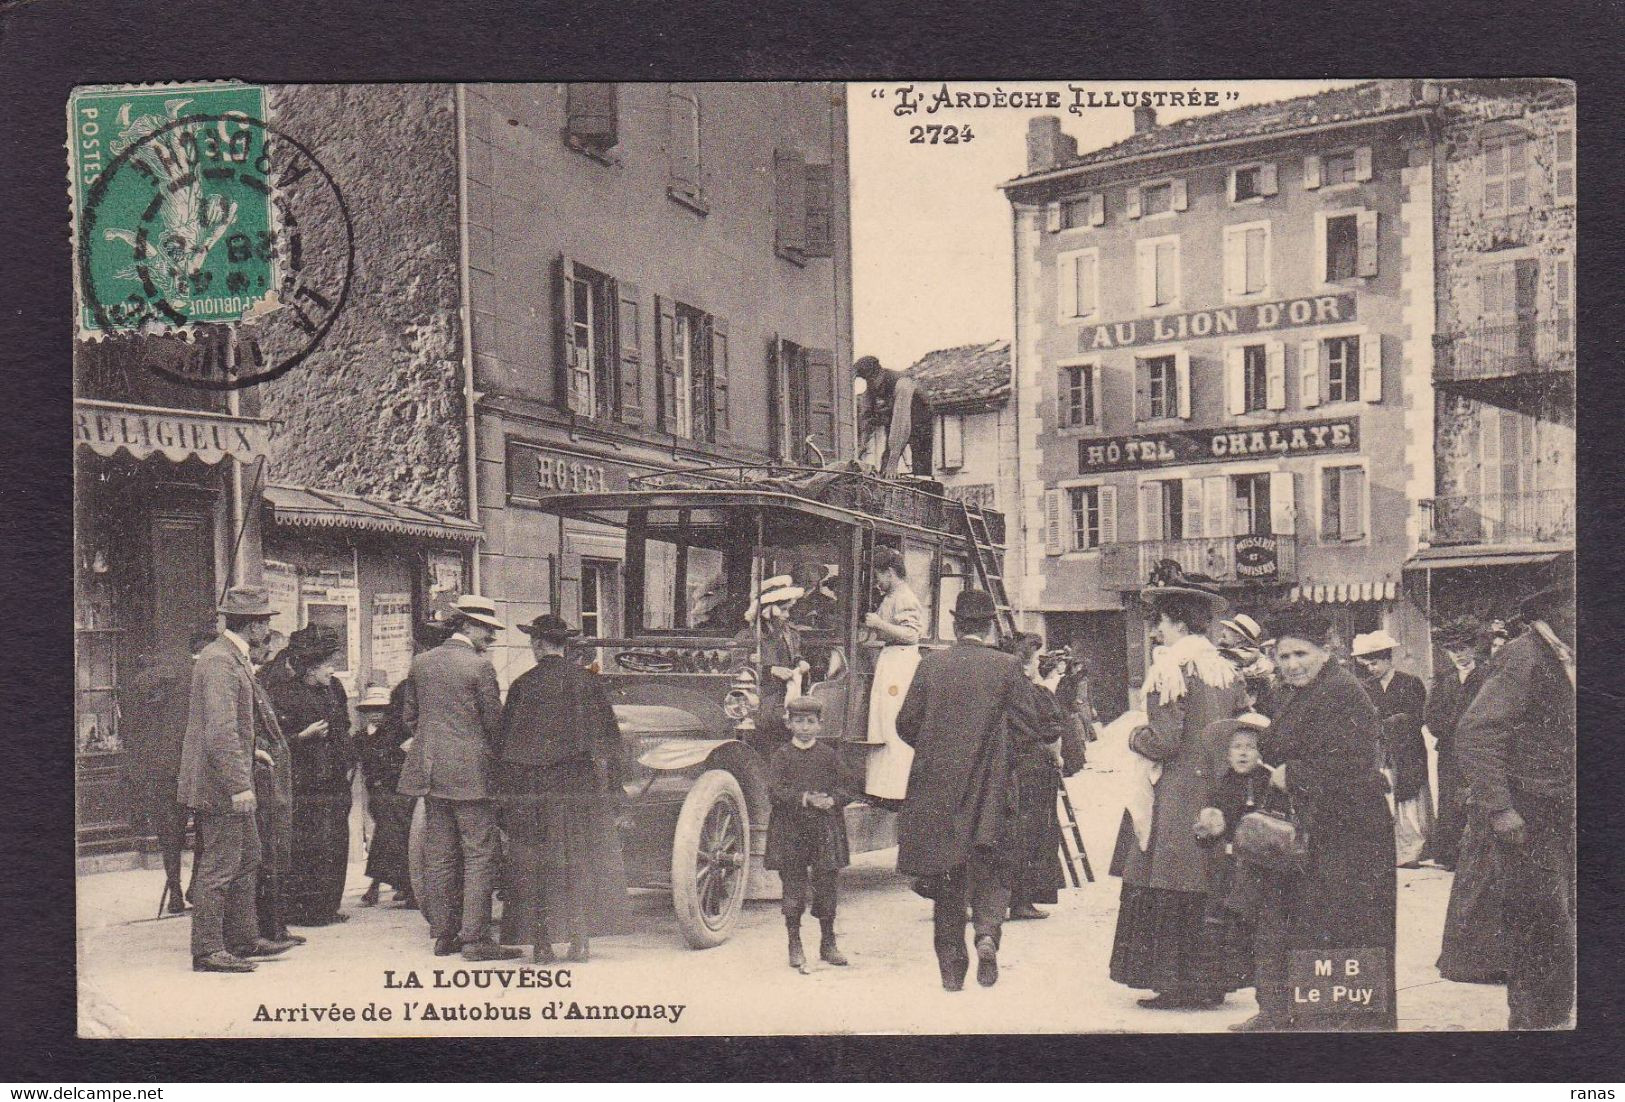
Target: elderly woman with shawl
[(1159, 943)]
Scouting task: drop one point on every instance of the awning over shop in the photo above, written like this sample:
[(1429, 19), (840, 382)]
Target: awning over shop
[(1345, 592), (1443, 558), (176, 434), (300, 507)]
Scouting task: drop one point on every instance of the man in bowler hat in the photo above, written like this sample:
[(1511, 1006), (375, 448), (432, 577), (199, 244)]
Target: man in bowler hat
[(217, 782), (963, 713)]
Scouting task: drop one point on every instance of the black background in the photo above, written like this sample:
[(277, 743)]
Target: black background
[(47, 46)]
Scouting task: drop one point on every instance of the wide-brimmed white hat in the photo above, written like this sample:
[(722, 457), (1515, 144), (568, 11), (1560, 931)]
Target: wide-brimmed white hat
[(482, 610), (1245, 626), (1373, 642), (775, 590)]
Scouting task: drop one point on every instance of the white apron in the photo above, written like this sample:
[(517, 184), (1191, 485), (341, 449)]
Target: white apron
[(889, 762)]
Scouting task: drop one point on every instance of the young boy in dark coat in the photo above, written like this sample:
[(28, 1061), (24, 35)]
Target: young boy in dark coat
[(1243, 787), (806, 835)]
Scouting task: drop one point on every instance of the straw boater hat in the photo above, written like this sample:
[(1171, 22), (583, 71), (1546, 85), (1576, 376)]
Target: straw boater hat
[(248, 600), (1168, 578), (550, 628), (481, 610), (1245, 626), (1373, 642), (1226, 729), (775, 590)]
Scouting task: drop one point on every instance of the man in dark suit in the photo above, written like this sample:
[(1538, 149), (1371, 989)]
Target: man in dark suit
[(453, 708), (216, 781), (1515, 744), (1455, 682), (1400, 701), (965, 711)]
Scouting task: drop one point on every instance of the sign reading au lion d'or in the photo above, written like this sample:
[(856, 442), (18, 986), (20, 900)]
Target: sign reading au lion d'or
[(1169, 449), (178, 212), (1222, 321)]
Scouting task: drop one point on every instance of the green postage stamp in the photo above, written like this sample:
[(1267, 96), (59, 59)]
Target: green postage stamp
[(172, 214)]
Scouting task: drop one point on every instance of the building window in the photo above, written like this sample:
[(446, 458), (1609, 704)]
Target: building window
[(1250, 505), (589, 344), (1254, 378), (1079, 287), (1085, 210), (1158, 260), (1342, 247), (600, 598), (1085, 502), (1246, 260), (1161, 387), (1506, 173), (801, 403), (591, 118), (951, 442), (1339, 168), (1251, 182), (1162, 511), (685, 349), (1342, 504), (1157, 198), (1563, 165), (1078, 387), (684, 147), (1342, 358)]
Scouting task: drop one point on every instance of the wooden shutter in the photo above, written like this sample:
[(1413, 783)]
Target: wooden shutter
[(776, 370), (628, 350), (1134, 202), (1309, 374), (1268, 182), (1330, 502), (1182, 378), (1235, 382), (1191, 506), (564, 395), (1063, 397), (1563, 165), (1142, 390), (1150, 511), (699, 385), (590, 112), (1180, 198), (789, 200), (820, 221), (1235, 264), (1146, 272), (721, 416), (1362, 163), (684, 139), (1311, 171), (1283, 503), (1108, 514), (1086, 285), (1052, 522), (1097, 383), (820, 405), (1097, 201), (666, 361), (1066, 287), (1215, 499), (1370, 365), (1275, 374), (1351, 503), (1052, 217), (1366, 239)]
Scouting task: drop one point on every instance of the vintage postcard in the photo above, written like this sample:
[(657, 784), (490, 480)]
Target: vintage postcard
[(671, 559)]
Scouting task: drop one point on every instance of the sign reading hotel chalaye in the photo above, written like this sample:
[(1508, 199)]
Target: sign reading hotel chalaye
[(1170, 449)]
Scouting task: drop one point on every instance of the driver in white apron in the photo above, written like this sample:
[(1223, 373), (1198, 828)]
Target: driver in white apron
[(895, 628)]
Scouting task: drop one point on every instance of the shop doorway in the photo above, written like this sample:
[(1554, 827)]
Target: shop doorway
[(1099, 637)]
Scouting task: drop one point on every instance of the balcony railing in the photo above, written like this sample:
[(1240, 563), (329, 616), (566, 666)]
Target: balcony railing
[(1231, 560), (1541, 516), (1531, 346)]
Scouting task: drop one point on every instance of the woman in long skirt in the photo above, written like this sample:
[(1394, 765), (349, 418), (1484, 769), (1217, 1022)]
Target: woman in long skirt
[(381, 754), (895, 630), (1037, 875), (314, 714), (560, 792)]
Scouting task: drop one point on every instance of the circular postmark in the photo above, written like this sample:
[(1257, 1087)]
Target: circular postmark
[(216, 221)]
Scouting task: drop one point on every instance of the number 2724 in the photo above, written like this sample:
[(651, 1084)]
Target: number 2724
[(939, 135)]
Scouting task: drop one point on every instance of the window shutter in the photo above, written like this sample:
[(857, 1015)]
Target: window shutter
[(820, 223), (1108, 514), (1366, 263), (1052, 217), (1191, 506), (1097, 384), (590, 113), (789, 200), (1526, 288), (1180, 200), (1052, 522), (1066, 288), (1150, 512), (1063, 397), (1146, 270), (699, 387), (1283, 504), (683, 108), (1489, 453), (1275, 374), (776, 369), (1370, 366), (1235, 264), (721, 416), (1330, 499), (1087, 286), (1362, 163), (1182, 373), (1134, 202), (1235, 384), (1311, 171), (1215, 491), (1351, 503), (564, 274), (1097, 203), (666, 355), (1267, 181), (1142, 396), (1230, 185), (1309, 374), (629, 350), (820, 406), (1563, 166)]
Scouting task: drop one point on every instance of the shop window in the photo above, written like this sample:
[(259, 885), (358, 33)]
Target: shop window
[(950, 442), (1342, 504), (1506, 173), (800, 402)]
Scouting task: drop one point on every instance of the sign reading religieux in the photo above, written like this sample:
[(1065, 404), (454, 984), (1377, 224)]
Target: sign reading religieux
[(1221, 321), (1170, 449)]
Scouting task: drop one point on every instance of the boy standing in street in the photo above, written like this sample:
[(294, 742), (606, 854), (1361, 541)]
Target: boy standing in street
[(806, 835)]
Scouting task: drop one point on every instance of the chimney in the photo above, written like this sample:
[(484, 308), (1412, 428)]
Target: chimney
[(1145, 118), (1395, 94), (1047, 147)]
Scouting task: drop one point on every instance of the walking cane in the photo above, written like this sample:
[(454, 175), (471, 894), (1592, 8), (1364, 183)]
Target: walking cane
[(1071, 821)]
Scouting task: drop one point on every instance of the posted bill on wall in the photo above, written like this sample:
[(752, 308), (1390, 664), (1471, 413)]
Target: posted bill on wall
[(919, 557)]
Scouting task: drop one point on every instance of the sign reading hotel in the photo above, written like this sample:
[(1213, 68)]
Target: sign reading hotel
[(1172, 449), (536, 472), (1221, 321)]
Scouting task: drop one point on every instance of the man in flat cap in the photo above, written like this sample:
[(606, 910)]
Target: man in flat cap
[(453, 708), (217, 782)]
